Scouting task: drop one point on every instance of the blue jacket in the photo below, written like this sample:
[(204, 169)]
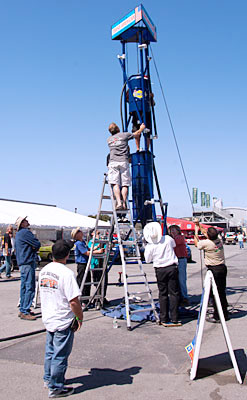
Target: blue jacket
[(80, 250), (26, 246)]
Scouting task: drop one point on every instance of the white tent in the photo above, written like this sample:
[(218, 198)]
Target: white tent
[(43, 216)]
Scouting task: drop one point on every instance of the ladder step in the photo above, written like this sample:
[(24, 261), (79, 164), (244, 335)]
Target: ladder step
[(138, 293), (132, 258), (96, 269), (106, 197), (99, 227), (101, 241), (125, 225), (129, 242), (135, 276), (141, 310), (91, 283), (106, 212), (99, 255)]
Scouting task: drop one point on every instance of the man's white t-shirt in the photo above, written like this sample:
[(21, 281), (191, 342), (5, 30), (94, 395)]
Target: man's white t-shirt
[(58, 287), (161, 254)]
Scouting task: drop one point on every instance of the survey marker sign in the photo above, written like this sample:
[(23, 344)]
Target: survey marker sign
[(193, 349)]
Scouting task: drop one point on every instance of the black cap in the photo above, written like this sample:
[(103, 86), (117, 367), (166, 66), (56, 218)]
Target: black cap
[(61, 249)]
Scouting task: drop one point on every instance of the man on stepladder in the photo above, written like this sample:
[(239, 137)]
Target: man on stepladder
[(118, 167), (215, 262)]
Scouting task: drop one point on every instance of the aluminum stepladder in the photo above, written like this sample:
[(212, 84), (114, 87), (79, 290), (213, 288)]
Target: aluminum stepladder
[(135, 259)]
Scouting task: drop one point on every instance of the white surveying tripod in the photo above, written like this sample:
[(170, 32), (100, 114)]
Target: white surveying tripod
[(124, 240)]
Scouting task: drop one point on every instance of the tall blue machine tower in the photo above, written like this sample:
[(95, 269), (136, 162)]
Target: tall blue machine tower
[(137, 106)]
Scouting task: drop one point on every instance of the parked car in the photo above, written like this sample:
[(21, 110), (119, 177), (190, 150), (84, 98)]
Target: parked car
[(45, 252), (230, 238)]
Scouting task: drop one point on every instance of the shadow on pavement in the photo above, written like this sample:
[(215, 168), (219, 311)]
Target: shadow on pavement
[(221, 362), (99, 377)]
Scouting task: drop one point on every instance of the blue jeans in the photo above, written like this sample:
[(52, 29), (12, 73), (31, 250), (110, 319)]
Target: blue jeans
[(241, 245), (7, 265), (27, 287), (57, 350), (182, 276)]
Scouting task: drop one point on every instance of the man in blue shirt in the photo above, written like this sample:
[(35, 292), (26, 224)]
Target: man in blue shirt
[(81, 258), (26, 247)]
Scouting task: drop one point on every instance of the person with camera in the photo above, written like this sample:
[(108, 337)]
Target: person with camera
[(215, 262), (62, 315)]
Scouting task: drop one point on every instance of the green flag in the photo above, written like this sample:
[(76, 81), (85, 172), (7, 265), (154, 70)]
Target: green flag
[(207, 200), (203, 198), (194, 195)]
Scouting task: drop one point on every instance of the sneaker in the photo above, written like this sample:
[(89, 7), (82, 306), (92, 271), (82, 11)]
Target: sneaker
[(171, 324), (212, 320), (125, 220), (66, 391), (28, 317)]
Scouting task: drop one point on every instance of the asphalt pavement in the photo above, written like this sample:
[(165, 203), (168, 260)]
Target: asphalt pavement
[(148, 362)]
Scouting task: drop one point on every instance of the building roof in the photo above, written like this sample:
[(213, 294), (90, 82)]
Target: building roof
[(43, 215)]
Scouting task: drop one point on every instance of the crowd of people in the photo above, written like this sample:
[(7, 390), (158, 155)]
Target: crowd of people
[(62, 311), (60, 291)]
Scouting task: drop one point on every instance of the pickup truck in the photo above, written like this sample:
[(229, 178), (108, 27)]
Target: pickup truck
[(230, 238)]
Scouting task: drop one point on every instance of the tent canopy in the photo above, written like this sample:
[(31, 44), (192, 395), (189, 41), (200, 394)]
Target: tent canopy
[(41, 215)]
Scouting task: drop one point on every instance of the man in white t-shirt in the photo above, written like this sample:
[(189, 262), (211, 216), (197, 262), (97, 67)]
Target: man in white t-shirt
[(160, 251), (60, 306)]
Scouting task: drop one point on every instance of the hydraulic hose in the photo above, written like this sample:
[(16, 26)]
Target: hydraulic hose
[(22, 335), (121, 104)]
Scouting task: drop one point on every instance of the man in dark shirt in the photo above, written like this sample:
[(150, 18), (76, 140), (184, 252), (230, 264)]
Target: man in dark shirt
[(181, 253), (26, 246), (7, 248)]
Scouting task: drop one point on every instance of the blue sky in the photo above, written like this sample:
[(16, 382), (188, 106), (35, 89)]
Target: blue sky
[(60, 84)]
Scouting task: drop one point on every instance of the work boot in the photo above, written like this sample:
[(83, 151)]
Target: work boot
[(28, 317)]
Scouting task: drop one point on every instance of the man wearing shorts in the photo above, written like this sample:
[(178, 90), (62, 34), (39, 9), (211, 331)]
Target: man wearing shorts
[(118, 167)]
